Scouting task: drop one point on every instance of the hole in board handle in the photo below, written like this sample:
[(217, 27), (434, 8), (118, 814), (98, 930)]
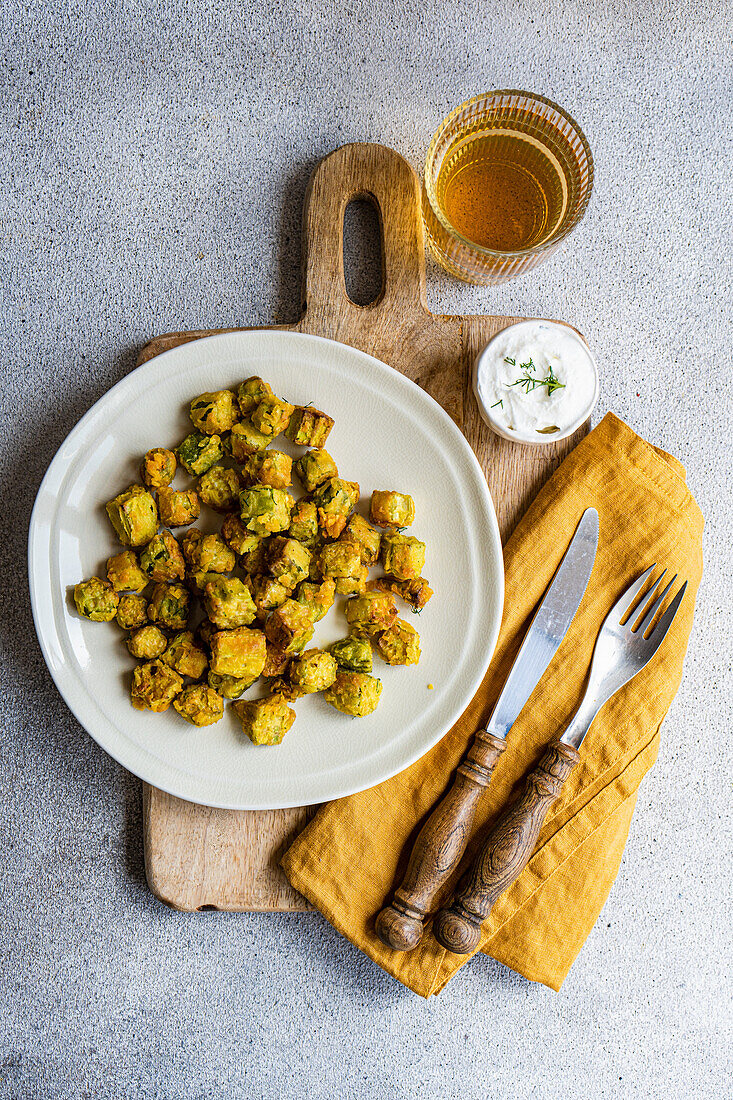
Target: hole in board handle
[(363, 260)]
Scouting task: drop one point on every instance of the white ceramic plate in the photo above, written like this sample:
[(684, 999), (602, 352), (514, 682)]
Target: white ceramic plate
[(388, 435)]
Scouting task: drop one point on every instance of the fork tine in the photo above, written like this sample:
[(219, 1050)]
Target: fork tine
[(651, 612), (620, 608), (657, 635)]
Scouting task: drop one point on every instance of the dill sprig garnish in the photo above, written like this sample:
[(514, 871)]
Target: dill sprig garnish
[(497, 403), (530, 383)]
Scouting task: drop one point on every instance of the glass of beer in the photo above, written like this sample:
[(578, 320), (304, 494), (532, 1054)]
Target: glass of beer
[(508, 176)]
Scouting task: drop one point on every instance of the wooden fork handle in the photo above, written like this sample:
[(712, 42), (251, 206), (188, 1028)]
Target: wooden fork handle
[(505, 852), (439, 846)]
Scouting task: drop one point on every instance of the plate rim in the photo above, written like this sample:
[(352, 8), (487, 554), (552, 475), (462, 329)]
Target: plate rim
[(498, 579)]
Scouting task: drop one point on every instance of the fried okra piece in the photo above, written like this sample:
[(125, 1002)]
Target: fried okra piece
[(316, 597), (271, 415), (304, 522), (265, 721), (399, 644), (315, 575), (185, 656), (198, 579), (313, 671), (363, 535), (228, 603), (315, 467), (270, 468), (245, 441), (267, 593), (230, 687), (154, 686), (219, 488), (341, 561), (162, 559), (276, 662), (288, 561), (96, 600), (335, 500), (254, 561), (132, 611), (370, 614), (354, 585), (309, 427), (403, 556), (199, 452), (416, 592), (264, 510), (147, 643), (207, 553), (338, 559), (240, 653), (214, 413), (124, 572), (390, 509), (169, 606), (134, 516), (251, 392), (158, 467), (236, 535), (353, 654), (200, 705), (283, 687), (290, 627), (354, 693), (178, 507)]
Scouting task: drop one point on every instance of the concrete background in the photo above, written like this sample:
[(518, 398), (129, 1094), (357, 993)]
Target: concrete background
[(154, 160)]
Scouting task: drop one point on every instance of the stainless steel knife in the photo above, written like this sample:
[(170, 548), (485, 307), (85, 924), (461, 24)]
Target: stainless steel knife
[(443, 838), (549, 625)]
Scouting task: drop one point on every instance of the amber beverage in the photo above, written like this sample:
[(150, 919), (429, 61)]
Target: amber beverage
[(508, 176)]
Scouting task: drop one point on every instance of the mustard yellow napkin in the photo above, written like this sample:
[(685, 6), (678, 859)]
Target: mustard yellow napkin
[(353, 854)]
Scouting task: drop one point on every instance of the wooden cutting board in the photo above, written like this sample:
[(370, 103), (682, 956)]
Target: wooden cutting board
[(200, 858)]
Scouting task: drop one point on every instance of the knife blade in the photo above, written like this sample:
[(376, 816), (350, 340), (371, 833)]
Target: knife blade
[(549, 626)]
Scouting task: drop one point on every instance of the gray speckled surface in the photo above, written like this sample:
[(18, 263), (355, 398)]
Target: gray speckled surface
[(154, 159)]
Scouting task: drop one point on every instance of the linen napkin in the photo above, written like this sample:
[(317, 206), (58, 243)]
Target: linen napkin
[(353, 854)]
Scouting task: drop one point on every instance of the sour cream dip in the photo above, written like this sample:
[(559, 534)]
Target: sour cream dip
[(535, 382)]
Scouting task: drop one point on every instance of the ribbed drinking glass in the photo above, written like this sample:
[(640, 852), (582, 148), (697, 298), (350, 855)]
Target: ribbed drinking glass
[(508, 176)]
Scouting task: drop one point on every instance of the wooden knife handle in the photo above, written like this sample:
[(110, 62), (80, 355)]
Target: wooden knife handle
[(439, 846), (505, 852)]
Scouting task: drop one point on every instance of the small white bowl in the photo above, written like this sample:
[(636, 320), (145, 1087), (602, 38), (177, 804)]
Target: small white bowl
[(535, 439)]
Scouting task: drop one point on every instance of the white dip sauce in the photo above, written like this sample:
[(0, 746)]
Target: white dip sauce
[(534, 378)]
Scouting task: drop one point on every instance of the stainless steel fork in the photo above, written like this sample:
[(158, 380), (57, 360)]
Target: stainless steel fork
[(623, 647), (628, 639)]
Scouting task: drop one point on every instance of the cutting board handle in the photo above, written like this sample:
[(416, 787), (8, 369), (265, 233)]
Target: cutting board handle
[(379, 174)]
